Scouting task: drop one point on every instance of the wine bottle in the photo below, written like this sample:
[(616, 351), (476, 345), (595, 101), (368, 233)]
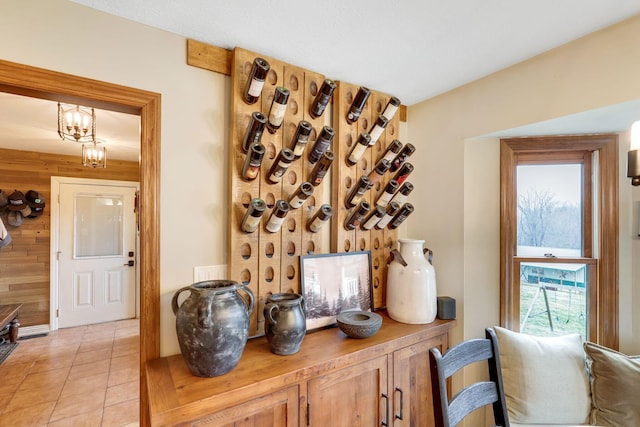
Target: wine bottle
[(252, 162), (356, 216), (322, 98), (278, 108), (256, 79), (372, 219), (277, 216), (376, 175), (320, 218), (320, 169), (388, 192), (254, 131), (358, 149), (390, 212), (391, 108), (252, 216), (300, 138), (358, 104), (402, 194), (402, 156), (402, 173), (297, 199), (402, 214), (392, 149), (377, 129), (322, 144), (356, 193), (280, 165)]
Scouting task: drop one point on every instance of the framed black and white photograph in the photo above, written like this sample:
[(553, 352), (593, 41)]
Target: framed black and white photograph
[(332, 283)]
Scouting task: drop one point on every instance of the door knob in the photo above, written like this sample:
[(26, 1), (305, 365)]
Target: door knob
[(130, 263)]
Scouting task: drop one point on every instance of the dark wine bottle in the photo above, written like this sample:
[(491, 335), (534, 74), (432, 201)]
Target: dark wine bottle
[(356, 216), (402, 173), (254, 131), (252, 216), (277, 216), (255, 82), (358, 104), (300, 138), (377, 129), (252, 162), (358, 190), (278, 108), (280, 166), (402, 156), (320, 169), (358, 149), (322, 98), (391, 151), (297, 199), (320, 218), (322, 144), (373, 218), (376, 175), (388, 192), (402, 194), (391, 108), (402, 214), (390, 212)]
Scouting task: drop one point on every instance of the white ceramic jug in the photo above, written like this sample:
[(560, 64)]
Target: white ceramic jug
[(411, 284)]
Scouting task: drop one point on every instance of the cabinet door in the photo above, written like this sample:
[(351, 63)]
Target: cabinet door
[(278, 409), (412, 397), (350, 397)]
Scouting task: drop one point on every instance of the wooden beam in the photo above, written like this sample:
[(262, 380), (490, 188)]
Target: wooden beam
[(209, 57)]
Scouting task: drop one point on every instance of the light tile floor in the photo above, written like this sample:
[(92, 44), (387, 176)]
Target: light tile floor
[(83, 376)]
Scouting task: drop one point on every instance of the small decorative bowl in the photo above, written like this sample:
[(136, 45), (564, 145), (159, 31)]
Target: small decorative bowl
[(359, 324)]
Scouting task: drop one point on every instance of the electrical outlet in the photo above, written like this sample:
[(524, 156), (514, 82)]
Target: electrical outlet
[(209, 272)]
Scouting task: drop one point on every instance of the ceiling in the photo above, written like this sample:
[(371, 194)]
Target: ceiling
[(411, 49)]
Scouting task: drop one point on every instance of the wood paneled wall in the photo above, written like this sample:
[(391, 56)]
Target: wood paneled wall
[(24, 263)]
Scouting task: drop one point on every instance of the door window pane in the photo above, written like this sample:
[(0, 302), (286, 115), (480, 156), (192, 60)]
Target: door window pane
[(553, 298), (98, 226), (549, 210)]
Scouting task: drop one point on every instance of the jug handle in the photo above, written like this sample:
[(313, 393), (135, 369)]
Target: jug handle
[(268, 312), (395, 254), (252, 301), (174, 300), (205, 319), (430, 256)]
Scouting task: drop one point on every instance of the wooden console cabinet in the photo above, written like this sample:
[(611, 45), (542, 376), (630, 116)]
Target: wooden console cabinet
[(332, 381)]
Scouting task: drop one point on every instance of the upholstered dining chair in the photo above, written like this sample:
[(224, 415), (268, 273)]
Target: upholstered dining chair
[(450, 412)]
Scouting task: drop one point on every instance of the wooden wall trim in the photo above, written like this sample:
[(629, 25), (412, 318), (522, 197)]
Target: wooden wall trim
[(220, 60), (46, 84)]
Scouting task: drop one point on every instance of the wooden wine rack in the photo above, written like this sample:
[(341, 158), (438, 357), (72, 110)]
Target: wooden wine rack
[(270, 262)]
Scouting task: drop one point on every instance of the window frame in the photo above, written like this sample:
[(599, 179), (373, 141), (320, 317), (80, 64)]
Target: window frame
[(603, 303)]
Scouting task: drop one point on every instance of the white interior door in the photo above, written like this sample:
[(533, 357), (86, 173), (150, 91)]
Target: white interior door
[(96, 254)]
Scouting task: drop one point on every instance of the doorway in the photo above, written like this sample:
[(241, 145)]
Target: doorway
[(41, 83), (93, 251)]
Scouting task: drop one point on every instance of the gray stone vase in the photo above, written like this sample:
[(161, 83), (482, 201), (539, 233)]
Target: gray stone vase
[(285, 323), (212, 325)]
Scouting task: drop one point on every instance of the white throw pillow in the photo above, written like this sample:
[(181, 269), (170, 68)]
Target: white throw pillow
[(545, 378)]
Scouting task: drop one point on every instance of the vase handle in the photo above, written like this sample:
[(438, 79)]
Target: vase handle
[(429, 256), (394, 255), (268, 312), (250, 305), (174, 300)]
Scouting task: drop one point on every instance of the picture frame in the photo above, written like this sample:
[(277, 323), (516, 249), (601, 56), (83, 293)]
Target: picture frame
[(336, 282)]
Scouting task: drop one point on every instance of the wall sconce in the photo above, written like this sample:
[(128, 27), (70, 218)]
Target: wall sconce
[(633, 157)]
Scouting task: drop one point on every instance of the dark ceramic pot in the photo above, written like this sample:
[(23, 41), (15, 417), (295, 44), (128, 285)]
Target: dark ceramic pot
[(285, 323), (212, 325)]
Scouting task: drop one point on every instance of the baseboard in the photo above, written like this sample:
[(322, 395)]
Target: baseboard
[(33, 330)]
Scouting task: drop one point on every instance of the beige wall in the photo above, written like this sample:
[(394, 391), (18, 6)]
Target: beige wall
[(462, 210)]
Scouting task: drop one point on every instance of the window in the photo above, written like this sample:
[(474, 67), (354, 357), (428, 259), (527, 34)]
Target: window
[(559, 236)]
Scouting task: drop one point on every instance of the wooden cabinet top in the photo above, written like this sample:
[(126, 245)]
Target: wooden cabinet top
[(173, 389)]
